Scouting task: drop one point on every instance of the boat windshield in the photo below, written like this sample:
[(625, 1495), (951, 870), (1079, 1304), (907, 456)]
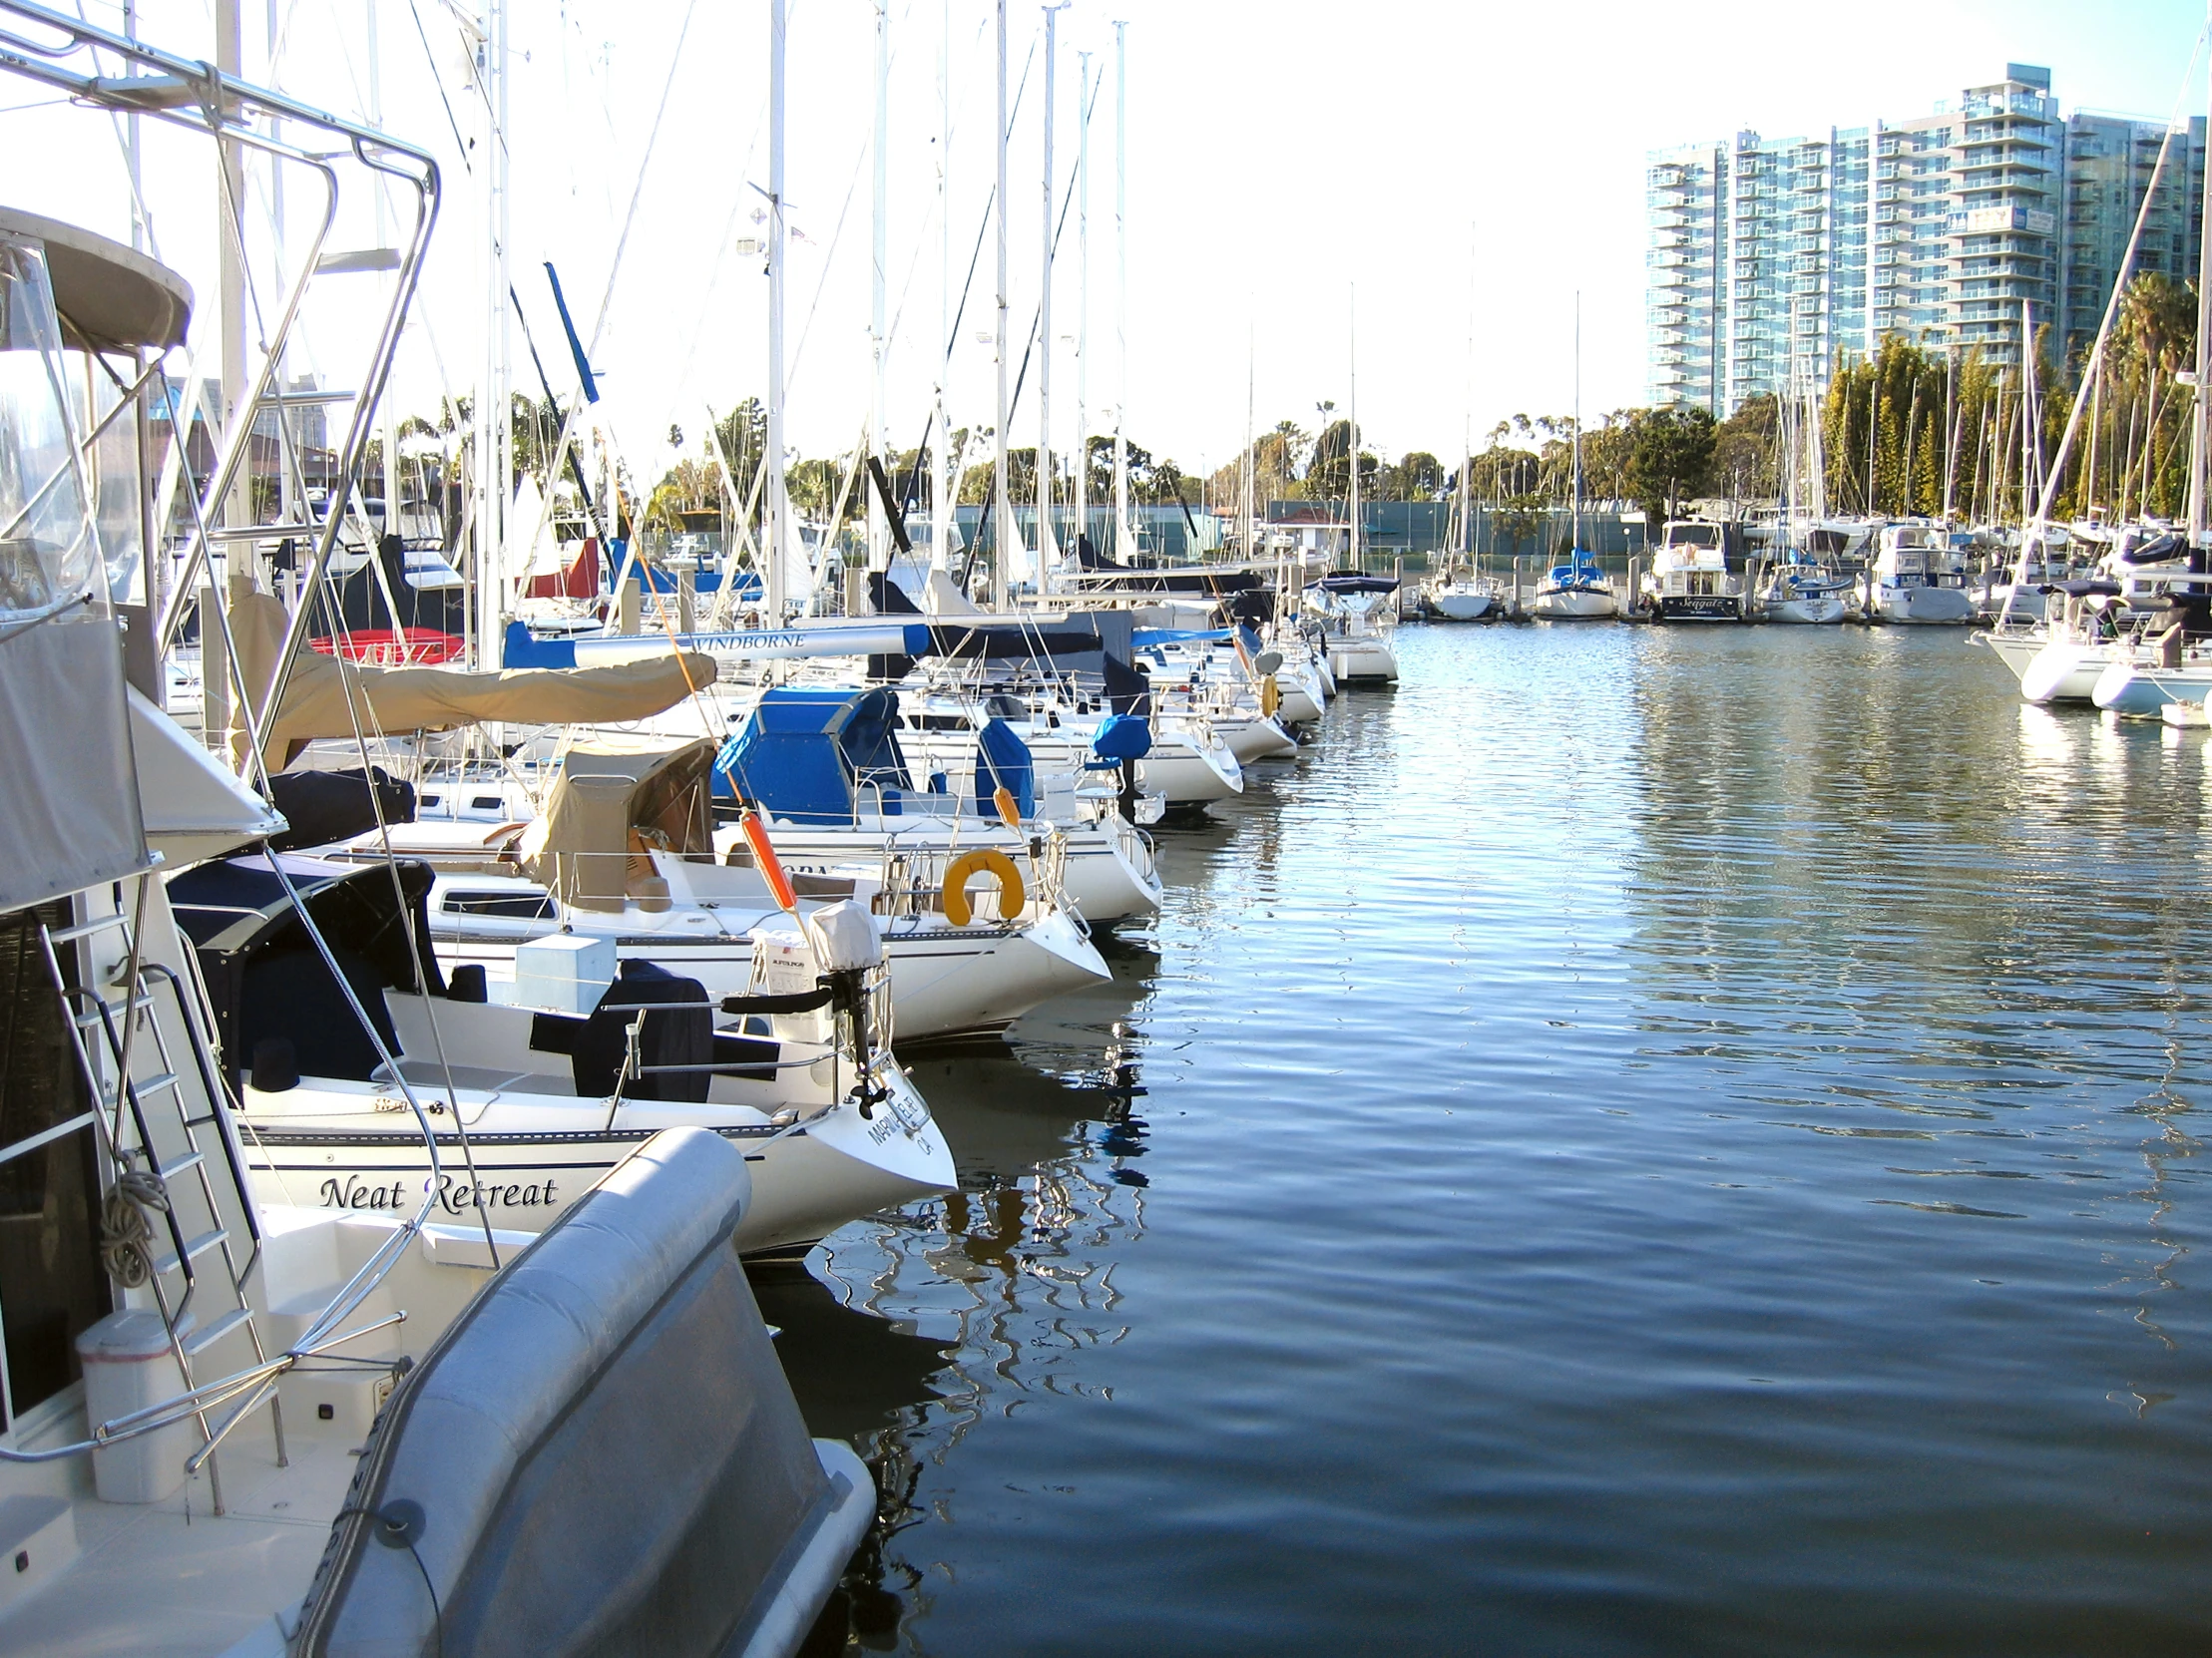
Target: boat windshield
[(1693, 535), (48, 552)]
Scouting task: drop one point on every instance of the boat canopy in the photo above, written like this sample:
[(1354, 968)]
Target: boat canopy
[(1348, 581), (805, 753), (2160, 548), (812, 755), (267, 980), (612, 802)]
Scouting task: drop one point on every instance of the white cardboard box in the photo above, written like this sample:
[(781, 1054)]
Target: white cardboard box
[(564, 973)]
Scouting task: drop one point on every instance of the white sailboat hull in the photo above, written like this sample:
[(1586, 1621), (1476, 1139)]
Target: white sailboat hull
[(1574, 604), (2145, 693), (2065, 672), (1099, 879), (334, 1145), (1355, 658), (945, 980), (1806, 609), (1924, 606), (1463, 606)]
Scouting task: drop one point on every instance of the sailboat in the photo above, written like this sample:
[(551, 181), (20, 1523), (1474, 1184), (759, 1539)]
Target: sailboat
[(1800, 587), (1577, 589), (1349, 605), (1460, 592)]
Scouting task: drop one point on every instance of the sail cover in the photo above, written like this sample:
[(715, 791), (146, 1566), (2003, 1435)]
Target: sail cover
[(325, 698)]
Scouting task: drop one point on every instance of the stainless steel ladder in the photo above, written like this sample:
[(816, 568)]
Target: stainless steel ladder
[(154, 1122)]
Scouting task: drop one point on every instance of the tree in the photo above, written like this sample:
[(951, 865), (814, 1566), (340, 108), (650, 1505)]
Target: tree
[(1416, 477), (1670, 459), (1746, 459)]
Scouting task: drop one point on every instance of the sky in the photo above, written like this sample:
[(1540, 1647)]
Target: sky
[(1416, 191)]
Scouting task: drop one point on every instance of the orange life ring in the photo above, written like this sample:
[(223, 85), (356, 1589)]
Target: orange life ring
[(965, 867)]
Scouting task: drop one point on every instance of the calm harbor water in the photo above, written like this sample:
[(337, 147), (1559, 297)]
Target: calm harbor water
[(1641, 1140)]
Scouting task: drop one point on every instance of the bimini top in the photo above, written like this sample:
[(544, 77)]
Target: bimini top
[(110, 298), (815, 756), (1347, 582)]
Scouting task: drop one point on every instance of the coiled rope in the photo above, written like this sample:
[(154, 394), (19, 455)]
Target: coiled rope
[(124, 1231)]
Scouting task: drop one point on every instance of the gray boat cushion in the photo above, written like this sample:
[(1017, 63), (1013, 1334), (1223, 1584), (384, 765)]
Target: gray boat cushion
[(605, 1453)]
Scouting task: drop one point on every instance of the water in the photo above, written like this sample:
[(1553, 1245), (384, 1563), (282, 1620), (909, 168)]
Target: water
[(1640, 1141)]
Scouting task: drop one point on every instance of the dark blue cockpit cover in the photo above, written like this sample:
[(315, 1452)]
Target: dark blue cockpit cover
[(804, 752)]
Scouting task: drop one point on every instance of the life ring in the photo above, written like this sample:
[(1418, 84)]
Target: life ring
[(1270, 696), (965, 867)]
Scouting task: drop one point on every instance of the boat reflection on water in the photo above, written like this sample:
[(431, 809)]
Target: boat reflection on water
[(905, 1331)]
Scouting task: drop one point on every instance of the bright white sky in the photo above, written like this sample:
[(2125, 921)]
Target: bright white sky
[(1433, 159)]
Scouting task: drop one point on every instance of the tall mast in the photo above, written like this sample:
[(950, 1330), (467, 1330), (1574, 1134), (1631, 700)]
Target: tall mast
[(1352, 436), (230, 253), (944, 482), (494, 425), (1951, 428), (1251, 459), (2027, 418), (1574, 437), (1002, 514), (1124, 534), (1047, 552), (778, 503), (388, 415), (1082, 303), (1466, 413), (879, 538), (2197, 422)]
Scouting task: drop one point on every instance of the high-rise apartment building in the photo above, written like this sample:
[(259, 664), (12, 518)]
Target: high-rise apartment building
[(1767, 257)]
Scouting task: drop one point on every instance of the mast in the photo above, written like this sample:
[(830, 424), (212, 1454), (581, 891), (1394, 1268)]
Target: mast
[(944, 482), (1874, 432), (1466, 416), (1124, 535), (1951, 428), (230, 252), (1352, 421), (2197, 421), (389, 414), (1047, 552), (1575, 439), (1082, 303), (1251, 457), (2027, 419), (778, 503), (1003, 514), (879, 536), (494, 426)]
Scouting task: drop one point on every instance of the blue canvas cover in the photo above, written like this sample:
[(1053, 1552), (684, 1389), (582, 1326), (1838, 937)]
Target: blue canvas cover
[(803, 751), (1002, 761), (1122, 737)]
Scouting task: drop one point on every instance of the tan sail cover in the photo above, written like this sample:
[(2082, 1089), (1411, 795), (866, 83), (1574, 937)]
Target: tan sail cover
[(611, 802), (324, 697)]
